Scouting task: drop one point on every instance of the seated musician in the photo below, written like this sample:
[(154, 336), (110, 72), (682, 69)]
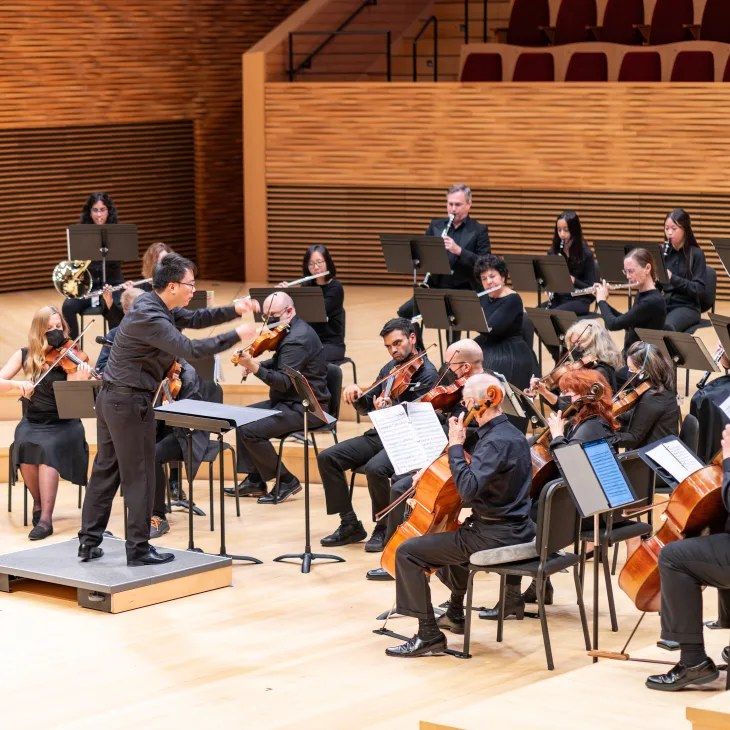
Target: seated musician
[(685, 566), (464, 359), (569, 243), (367, 451), (465, 240), (46, 447), (705, 406), (655, 413), (593, 419), (496, 485), (300, 350), (648, 310)]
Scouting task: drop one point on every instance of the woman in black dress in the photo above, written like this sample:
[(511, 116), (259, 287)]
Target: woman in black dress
[(46, 446), (505, 349), (317, 259), (649, 310), (98, 209), (687, 271), (568, 242)]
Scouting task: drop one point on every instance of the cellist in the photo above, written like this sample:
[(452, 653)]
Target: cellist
[(496, 485), (685, 566)]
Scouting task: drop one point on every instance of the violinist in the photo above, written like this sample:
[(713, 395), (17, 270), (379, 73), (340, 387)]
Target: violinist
[(496, 485), (46, 447), (649, 309), (300, 350), (399, 338), (464, 359), (146, 345), (685, 566), (687, 270), (655, 411)]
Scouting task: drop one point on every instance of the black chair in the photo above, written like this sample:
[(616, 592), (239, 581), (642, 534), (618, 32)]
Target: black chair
[(711, 288), (642, 481), (334, 385), (348, 361), (558, 524), (689, 432), (91, 312)]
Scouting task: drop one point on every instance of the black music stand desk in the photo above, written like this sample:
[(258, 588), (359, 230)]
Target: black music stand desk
[(407, 253), (75, 398), (110, 242), (451, 309), (218, 418), (308, 301), (722, 246)]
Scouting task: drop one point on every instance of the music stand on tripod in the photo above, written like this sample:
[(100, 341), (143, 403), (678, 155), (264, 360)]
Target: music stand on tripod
[(109, 242), (551, 326), (312, 410), (218, 418)]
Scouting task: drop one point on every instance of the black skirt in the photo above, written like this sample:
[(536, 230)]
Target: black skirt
[(513, 358), (61, 445)]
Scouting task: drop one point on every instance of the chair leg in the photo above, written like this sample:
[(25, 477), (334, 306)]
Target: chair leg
[(79, 499), (314, 446), (352, 483), (609, 587), (581, 608), (541, 580), (614, 562), (11, 478), (467, 617), (210, 495), (500, 617)]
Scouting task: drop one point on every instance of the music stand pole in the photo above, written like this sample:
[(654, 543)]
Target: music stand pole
[(189, 443)]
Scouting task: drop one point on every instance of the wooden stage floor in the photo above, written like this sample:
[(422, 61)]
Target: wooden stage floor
[(284, 650)]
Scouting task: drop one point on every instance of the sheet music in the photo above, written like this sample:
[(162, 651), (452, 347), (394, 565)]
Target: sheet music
[(399, 439), (429, 431), (609, 475), (676, 458)]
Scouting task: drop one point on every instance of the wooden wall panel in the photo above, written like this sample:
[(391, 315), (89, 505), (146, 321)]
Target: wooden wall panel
[(348, 220), (46, 174)]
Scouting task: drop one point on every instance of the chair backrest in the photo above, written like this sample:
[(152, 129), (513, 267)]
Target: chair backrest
[(557, 519), (574, 16), (482, 67), (525, 20), (641, 66), (707, 300), (334, 385), (640, 476), (534, 67), (689, 432), (587, 67), (619, 20), (669, 19), (716, 21), (694, 66)]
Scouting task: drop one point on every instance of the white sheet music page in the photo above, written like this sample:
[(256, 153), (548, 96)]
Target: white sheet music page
[(676, 458), (399, 439), (428, 428)]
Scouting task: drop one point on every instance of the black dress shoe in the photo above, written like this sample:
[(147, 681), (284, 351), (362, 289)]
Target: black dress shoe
[(89, 552), (376, 543), (286, 489), (41, 531), (247, 489), (345, 534), (530, 595), (416, 646), (454, 625), (710, 624), (379, 574), (680, 676), (513, 606), (152, 558), (726, 654), (36, 517)]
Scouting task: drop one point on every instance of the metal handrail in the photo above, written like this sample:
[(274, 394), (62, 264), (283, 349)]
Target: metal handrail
[(466, 21), (307, 62), (433, 19), (386, 33)]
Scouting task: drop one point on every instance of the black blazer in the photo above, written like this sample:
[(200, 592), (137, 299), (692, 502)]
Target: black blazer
[(473, 237)]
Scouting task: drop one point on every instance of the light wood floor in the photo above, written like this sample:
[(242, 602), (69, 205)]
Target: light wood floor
[(284, 650)]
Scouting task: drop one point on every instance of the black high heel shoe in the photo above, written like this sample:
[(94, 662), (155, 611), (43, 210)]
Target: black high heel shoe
[(530, 595), (513, 606)]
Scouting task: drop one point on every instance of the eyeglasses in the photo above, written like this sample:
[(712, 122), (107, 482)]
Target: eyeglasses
[(188, 283), (99, 210)]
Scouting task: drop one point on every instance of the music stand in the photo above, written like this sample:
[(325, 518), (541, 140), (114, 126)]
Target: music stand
[(113, 241), (451, 309), (407, 253), (553, 274), (308, 301), (662, 276), (610, 256), (313, 410), (75, 398), (191, 415), (551, 326), (522, 274), (599, 485), (199, 300), (722, 246), (682, 349), (721, 325)]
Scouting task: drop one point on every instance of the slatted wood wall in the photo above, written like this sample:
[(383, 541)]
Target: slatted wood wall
[(97, 69)]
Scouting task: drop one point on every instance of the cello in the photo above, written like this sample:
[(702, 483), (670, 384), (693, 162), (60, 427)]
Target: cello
[(695, 505), (434, 500)]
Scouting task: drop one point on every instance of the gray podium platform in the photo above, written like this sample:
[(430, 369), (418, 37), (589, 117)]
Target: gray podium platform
[(108, 583)]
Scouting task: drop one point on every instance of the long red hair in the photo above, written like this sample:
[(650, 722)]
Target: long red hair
[(580, 383)]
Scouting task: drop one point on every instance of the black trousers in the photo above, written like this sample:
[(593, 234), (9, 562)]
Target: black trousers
[(680, 319), (256, 455), (684, 567), (166, 449), (336, 460), (125, 455), (449, 552), (397, 515)]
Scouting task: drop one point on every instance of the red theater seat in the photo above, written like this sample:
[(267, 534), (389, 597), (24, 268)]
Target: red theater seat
[(694, 66), (525, 20), (587, 67), (669, 21), (574, 19), (534, 67), (641, 66), (619, 22), (482, 67), (715, 24)]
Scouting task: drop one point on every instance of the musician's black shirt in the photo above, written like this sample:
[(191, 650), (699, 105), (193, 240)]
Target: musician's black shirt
[(649, 310), (655, 415), (473, 238), (688, 281)]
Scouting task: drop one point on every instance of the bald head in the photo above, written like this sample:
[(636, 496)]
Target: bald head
[(278, 307), (465, 358)]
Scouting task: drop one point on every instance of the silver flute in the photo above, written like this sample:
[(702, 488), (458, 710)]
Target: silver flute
[(592, 289)]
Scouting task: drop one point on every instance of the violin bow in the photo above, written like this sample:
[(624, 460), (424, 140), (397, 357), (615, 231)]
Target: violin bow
[(445, 368), (63, 351)]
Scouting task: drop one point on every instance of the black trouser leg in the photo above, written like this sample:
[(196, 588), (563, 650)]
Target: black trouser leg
[(167, 449), (378, 471), (723, 608), (680, 319), (70, 309), (255, 452), (397, 515), (685, 566), (334, 461)]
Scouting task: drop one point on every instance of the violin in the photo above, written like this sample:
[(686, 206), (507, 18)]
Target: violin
[(551, 380), (267, 340), (172, 384), (445, 397), (68, 357), (435, 501), (695, 505), (544, 468), (626, 401)]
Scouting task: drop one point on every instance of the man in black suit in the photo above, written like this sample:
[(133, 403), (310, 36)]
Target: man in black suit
[(465, 240)]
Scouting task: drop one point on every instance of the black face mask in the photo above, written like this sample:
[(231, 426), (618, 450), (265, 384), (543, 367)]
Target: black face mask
[(449, 377), (55, 338), (578, 352)]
